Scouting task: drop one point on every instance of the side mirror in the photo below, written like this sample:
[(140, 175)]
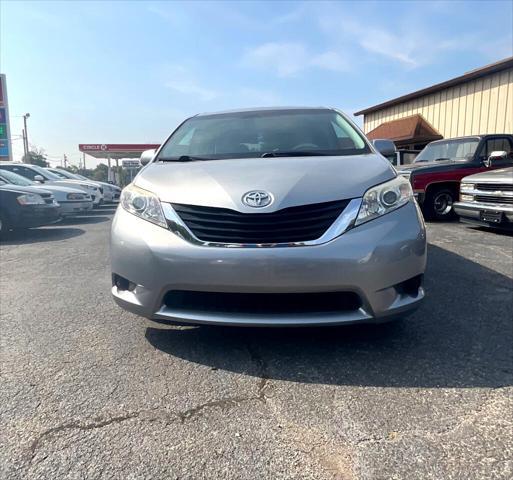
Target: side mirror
[(499, 157), (147, 157), (39, 178), (385, 147)]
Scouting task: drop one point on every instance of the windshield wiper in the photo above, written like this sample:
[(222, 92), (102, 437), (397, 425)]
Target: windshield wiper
[(441, 159), (293, 153), (182, 158)]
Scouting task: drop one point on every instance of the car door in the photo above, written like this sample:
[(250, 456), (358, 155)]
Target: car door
[(26, 172)]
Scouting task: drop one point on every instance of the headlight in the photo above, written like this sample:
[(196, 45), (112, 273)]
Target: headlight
[(75, 196), (30, 199), (144, 204), (384, 198), (466, 187), (467, 198)]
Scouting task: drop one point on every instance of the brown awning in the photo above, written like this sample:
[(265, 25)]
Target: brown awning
[(407, 130)]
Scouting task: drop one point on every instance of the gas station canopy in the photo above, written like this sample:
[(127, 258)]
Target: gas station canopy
[(116, 150)]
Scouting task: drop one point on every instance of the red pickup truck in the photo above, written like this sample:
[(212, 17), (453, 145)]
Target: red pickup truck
[(437, 171)]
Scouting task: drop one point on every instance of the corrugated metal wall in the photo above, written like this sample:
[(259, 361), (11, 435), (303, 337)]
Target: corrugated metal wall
[(484, 105)]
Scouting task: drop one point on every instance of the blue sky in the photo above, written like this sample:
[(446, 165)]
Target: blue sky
[(128, 72)]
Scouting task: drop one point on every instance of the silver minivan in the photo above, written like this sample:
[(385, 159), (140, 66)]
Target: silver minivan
[(268, 217)]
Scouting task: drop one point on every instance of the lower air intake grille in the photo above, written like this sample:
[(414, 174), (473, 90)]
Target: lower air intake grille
[(492, 199), (294, 224), (493, 187), (262, 303)]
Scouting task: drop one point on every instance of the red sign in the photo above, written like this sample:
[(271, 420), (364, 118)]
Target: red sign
[(116, 147)]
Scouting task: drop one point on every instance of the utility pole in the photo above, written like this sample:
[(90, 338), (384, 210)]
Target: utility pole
[(83, 161), (27, 115), (65, 161), (24, 143)]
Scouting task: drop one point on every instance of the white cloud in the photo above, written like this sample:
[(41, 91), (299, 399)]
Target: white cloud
[(184, 81), (287, 59), (284, 58), (372, 38), (331, 61), (188, 87), (411, 47)]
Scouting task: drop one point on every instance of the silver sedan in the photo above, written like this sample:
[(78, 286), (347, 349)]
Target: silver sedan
[(71, 200)]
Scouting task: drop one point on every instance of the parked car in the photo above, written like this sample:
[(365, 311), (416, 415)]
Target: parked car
[(71, 200), (116, 191), (39, 174), (110, 192), (268, 217), (487, 199), (437, 171), (26, 207)]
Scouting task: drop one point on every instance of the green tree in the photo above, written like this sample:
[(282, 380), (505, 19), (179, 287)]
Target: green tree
[(101, 172), (36, 157)]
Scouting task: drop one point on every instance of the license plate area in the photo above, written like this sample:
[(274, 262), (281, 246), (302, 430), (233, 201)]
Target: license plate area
[(491, 216)]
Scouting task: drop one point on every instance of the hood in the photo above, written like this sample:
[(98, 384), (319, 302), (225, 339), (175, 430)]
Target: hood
[(70, 183), (56, 189), (431, 165), (15, 188), (75, 184), (108, 185), (290, 180), (501, 175)]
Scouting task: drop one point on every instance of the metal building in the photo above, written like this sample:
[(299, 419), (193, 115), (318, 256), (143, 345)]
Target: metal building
[(478, 102)]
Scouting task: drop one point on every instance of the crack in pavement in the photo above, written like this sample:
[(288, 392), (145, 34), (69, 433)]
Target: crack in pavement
[(76, 425), (262, 371), (180, 416)]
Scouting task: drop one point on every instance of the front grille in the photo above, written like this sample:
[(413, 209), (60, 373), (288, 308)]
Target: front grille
[(493, 199), (293, 224), (262, 303), (494, 187)]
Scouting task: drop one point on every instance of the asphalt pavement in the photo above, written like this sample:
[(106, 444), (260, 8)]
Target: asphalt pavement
[(88, 391)]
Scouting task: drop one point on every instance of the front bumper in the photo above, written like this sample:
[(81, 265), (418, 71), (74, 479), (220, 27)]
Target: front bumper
[(470, 212), (97, 198), (36, 216), (371, 260), (72, 208)]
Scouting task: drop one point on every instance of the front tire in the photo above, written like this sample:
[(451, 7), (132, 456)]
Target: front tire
[(4, 225), (438, 204)]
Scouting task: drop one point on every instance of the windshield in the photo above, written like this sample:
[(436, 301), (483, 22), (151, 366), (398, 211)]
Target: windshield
[(449, 150), (15, 179), (256, 133), (45, 173), (63, 174), (81, 177)]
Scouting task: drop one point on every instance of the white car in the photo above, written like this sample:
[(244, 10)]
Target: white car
[(111, 192), (71, 200), (41, 175)]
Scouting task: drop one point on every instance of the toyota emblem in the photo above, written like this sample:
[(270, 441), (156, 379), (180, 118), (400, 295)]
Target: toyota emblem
[(257, 199)]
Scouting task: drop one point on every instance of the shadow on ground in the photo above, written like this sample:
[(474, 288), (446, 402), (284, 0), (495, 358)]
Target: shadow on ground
[(462, 336), (496, 231), (84, 219), (37, 235), (102, 210)]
